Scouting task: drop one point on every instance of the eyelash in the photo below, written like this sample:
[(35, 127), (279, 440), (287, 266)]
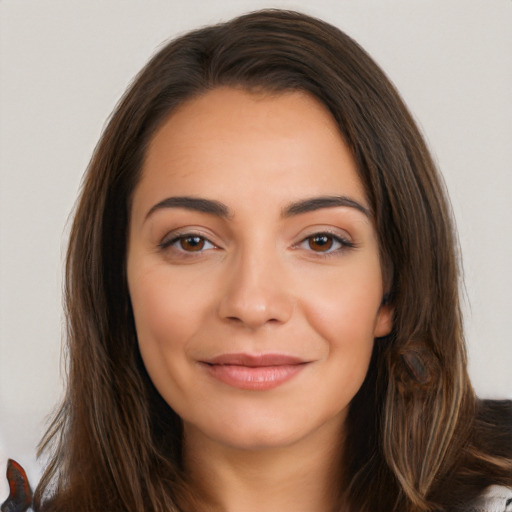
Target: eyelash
[(340, 243)]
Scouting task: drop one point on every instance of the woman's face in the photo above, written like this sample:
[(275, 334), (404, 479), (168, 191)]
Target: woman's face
[(253, 269)]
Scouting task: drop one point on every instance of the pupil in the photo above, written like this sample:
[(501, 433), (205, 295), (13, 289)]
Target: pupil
[(321, 242)]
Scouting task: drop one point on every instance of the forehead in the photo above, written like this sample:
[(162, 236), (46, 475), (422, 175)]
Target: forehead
[(231, 144)]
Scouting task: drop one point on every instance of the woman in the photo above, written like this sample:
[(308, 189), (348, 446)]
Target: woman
[(262, 294)]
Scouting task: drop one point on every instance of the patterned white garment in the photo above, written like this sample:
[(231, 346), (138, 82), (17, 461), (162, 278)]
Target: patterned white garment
[(496, 498)]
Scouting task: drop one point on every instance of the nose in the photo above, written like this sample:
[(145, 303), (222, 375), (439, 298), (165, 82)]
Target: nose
[(256, 293)]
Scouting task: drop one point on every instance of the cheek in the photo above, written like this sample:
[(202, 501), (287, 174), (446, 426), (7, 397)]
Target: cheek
[(166, 311), (345, 315), (343, 306), (166, 318)]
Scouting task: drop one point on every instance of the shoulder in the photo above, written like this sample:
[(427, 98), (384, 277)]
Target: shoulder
[(495, 498), (493, 427), (481, 480), (495, 412)]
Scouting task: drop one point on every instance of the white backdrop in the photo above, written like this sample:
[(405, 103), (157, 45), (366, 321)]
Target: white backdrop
[(65, 63)]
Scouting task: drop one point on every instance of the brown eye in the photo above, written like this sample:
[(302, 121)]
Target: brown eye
[(186, 243), (192, 243), (320, 242)]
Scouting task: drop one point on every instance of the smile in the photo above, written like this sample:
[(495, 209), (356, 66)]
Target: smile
[(258, 373)]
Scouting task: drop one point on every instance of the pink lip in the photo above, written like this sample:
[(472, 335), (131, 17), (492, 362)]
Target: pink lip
[(254, 372)]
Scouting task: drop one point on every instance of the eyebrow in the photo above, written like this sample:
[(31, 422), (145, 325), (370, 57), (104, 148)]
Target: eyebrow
[(193, 203), (318, 203), (219, 209)]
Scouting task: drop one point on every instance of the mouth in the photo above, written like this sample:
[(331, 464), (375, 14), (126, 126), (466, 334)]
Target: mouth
[(254, 372)]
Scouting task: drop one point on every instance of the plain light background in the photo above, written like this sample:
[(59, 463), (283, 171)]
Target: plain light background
[(65, 63)]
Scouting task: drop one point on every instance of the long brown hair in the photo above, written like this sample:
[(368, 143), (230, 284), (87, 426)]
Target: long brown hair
[(418, 437)]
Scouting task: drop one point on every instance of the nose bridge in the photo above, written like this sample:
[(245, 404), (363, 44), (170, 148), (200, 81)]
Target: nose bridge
[(256, 291)]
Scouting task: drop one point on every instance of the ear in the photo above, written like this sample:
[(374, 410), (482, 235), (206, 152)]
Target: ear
[(384, 320)]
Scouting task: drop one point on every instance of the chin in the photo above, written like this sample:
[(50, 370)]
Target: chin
[(254, 439), (265, 431)]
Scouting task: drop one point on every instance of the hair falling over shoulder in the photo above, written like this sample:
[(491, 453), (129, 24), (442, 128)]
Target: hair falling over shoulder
[(419, 438)]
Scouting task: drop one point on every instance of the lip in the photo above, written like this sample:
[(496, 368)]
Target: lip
[(254, 372)]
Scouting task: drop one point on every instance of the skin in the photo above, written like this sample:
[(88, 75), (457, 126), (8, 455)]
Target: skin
[(256, 279)]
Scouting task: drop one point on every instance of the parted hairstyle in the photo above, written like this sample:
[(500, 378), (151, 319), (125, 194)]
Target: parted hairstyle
[(417, 437)]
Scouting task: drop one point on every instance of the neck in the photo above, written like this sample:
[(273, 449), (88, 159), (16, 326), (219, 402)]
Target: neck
[(304, 476)]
